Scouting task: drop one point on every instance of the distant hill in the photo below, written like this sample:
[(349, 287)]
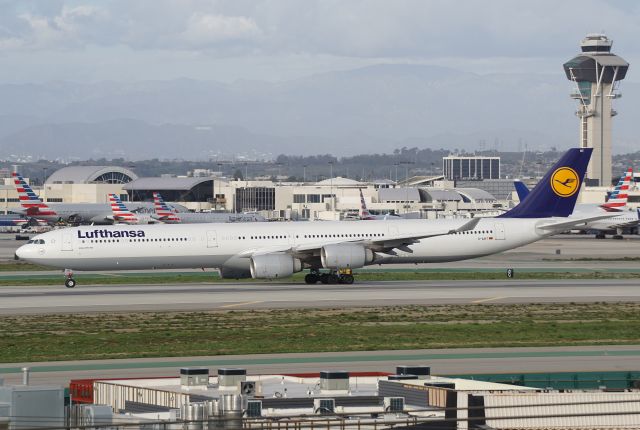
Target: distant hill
[(375, 108)]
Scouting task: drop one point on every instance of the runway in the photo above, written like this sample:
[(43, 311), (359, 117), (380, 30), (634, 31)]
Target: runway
[(442, 362), (251, 295)]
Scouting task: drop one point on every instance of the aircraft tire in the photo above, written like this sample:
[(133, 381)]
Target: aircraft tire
[(70, 283), (617, 237), (324, 278), (346, 279), (334, 279), (311, 278)]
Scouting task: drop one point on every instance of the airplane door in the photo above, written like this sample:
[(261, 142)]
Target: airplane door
[(67, 242), (499, 231), (212, 239)]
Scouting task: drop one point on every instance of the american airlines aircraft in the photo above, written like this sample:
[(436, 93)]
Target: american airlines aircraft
[(277, 250), (364, 213), (73, 213), (168, 215), (120, 213)]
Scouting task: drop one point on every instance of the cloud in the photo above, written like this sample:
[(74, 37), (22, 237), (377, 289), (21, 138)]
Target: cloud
[(210, 29)]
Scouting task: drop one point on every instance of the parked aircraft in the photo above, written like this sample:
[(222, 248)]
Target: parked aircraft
[(364, 213), (277, 250), (120, 213), (72, 213), (169, 215), (616, 203)]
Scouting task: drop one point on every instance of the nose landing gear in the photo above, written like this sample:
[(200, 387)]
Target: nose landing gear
[(69, 282)]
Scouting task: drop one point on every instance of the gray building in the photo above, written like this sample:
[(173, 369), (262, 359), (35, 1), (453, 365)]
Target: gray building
[(470, 167)]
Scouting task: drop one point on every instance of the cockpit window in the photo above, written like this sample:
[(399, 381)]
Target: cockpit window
[(36, 241), (31, 241), (41, 241)]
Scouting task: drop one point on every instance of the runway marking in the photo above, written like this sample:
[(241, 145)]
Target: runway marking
[(490, 299), (241, 304)]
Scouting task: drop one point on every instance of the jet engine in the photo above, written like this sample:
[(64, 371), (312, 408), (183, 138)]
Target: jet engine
[(345, 256), (274, 266)]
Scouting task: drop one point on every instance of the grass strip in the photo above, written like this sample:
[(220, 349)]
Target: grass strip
[(164, 334), (364, 276), (20, 266)]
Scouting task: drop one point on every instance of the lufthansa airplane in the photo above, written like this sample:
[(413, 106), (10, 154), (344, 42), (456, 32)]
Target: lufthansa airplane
[(277, 250)]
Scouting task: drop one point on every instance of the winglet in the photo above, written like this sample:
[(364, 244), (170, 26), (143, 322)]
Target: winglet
[(469, 225), (557, 192)]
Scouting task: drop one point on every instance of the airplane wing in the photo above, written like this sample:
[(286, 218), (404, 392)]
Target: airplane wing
[(571, 223), (384, 245)]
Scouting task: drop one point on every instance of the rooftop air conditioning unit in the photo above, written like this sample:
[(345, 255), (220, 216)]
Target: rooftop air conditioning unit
[(394, 404), (254, 409), (324, 406)]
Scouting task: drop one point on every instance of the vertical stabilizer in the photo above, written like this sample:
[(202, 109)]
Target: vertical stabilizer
[(163, 211), (557, 192)]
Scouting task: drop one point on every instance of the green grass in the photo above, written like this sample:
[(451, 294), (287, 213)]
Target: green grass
[(593, 259), (10, 266), (126, 335), (361, 276)]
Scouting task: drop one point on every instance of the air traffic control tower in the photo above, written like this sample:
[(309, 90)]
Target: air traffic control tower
[(596, 73)]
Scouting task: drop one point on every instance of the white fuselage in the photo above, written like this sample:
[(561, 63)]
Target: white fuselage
[(228, 246)]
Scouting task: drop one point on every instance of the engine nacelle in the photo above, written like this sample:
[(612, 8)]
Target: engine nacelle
[(345, 256), (272, 266)]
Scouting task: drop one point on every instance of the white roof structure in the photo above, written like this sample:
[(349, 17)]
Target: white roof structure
[(92, 175), (339, 181), (165, 183), (439, 195), (399, 194), (476, 195)]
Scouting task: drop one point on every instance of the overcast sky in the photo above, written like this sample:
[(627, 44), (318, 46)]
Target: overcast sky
[(85, 41)]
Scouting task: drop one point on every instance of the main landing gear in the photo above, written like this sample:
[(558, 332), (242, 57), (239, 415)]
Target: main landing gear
[(333, 277), (69, 282)]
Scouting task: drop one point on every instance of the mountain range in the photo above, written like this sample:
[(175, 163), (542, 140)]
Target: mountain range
[(372, 109)]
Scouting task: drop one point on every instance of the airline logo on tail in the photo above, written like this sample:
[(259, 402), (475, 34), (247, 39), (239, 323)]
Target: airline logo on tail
[(364, 212), (565, 182), (163, 211), (29, 200), (620, 194), (556, 194), (120, 211)]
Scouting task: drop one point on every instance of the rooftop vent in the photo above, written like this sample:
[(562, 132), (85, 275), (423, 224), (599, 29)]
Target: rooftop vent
[(194, 376), (230, 378), (401, 377), (337, 380), (422, 372)]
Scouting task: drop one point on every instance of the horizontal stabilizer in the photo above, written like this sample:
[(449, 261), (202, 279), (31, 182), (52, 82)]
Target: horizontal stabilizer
[(565, 225)]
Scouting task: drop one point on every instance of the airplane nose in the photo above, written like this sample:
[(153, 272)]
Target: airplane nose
[(21, 253)]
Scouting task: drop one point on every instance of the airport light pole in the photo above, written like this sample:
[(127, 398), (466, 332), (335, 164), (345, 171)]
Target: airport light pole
[(331, 183), (304, 173)]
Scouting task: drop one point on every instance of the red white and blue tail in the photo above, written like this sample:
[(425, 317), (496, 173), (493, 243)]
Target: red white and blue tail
[(120, 211), (29, 200), (620, 194), (164, 212), (364, 212)]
